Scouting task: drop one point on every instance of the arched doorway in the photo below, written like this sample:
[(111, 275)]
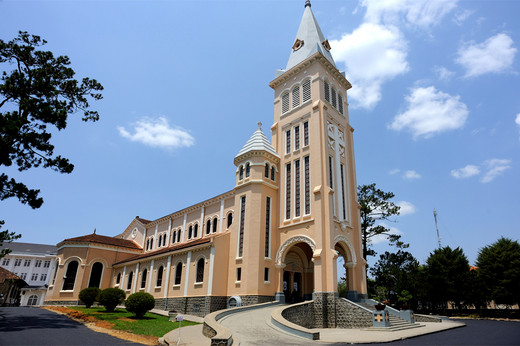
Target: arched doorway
[(95, 275), (345, 263), (298, 273)]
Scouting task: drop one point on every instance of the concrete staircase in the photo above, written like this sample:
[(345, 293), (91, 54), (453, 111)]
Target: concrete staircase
[(396, 323)]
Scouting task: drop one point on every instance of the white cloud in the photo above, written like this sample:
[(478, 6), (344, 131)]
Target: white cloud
[(158, 133), (430, 112), (372, 54), (443, 73), (517, 120), (420, 13), (495, 55), (461, 16), (394, 171), (411, 175), (407, 208), (495, 168), (465, 172)]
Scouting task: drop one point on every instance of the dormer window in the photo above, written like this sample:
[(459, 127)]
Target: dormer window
[(326, 45), (297, 44)]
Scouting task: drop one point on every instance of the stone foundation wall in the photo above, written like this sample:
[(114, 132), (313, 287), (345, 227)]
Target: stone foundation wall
[(252, 300), (425, 318), (324, 309), (300, 314), (349, 315)]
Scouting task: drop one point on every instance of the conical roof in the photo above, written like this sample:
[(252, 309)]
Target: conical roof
[(309, 40), (258, 141)]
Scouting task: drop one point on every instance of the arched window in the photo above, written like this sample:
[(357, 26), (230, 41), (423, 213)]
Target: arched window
[(190, 232), (147, 244), (196, 230), (33, 300), (200, 270), (70, 276), (229, 219), (272, 173), (143, 278), (130, 279), (179, 235), (208, 227), (285, 103), (151, 243), (241, 173), (214, 225), (248, 169), (118, 279), (178, 274), (266, 173), (159, 276), (174, 237), (95, 275)]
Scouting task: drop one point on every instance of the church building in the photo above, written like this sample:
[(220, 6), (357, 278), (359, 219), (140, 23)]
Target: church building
[(276, 235)]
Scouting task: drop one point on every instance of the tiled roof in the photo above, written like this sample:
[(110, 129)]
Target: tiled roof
[(258, 141), (169, 249), (101, 239), (6, 275), (143, 221), (30, 248)]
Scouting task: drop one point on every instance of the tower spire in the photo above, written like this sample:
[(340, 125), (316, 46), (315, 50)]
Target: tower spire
[(309, 40)]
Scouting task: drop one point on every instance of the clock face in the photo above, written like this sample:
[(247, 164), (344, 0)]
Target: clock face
[(134, 233)]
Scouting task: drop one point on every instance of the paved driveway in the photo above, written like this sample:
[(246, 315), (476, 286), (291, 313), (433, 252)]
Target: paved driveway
[(476, 332), (34, 326)]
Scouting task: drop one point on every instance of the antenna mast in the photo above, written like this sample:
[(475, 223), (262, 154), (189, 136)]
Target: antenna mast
[(437, 227)]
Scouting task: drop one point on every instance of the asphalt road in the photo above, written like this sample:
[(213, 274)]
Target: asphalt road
[(476, 332), (34, 326)]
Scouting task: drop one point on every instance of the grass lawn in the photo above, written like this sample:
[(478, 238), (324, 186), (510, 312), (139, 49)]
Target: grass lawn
[(151, 324)]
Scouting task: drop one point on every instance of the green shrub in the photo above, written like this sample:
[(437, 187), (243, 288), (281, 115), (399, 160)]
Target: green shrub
[(139, 303), (111, 297), (89, 295)]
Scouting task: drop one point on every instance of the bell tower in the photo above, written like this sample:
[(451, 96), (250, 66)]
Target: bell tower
[(318, 210)]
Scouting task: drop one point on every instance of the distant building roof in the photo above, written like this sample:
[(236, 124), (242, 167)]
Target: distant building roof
[(30, 248), (101, 239)]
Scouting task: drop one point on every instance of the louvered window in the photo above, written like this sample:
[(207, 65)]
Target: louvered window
[(297, 188), (307, 187), (288, 191), (296, 97), (306, 90), (333, 98), (327, 91), (272, 173), (285, 103), (297, 138), (242, 226), (288, 141), (340, 104), (343, 200), (267, 226), (305, 133)]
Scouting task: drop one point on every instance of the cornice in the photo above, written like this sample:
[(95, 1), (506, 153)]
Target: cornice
[(256, 153), (317, 57)]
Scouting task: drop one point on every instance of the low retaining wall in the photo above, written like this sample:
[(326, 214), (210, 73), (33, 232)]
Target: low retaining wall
[(296, 319), (352, 316), (426, 318)]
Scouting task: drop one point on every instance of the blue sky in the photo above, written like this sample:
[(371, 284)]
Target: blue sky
[(435, 106)]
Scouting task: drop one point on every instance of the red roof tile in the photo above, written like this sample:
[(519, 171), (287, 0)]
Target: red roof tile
[(101, 239), (6, 275), (169, 249)]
